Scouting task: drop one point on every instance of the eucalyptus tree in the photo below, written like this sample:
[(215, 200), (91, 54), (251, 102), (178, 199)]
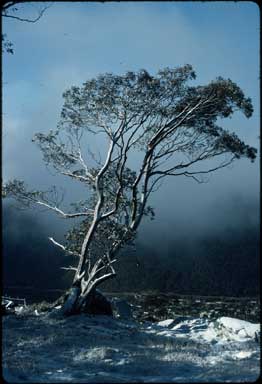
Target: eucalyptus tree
[(165, 123)]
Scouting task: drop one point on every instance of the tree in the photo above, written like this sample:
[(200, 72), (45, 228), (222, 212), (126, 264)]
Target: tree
[(170, 125), (9, 10)]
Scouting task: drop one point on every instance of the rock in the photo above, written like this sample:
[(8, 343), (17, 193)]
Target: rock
[(123, 309), (99, 305)]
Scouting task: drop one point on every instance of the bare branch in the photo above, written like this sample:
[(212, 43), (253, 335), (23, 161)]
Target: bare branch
[(41, 12), (63, 247), (62, 213), (74, 175), (70, 268), (222, 165), (10, 4)]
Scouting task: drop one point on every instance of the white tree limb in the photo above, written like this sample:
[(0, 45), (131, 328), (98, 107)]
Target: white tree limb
[(62, 213), (63, 247)]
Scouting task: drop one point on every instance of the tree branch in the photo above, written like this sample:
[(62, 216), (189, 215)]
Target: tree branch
[(62, 213), (63, 247), (70, 268), (41, 12)]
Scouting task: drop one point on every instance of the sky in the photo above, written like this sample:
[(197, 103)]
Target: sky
[(76, 41)]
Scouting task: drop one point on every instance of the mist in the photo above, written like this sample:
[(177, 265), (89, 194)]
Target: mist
[(222, 259)]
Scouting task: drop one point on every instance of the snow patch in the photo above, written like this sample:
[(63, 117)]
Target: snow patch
[(224, 329), (104, 349), (241, 327), (166, 323)]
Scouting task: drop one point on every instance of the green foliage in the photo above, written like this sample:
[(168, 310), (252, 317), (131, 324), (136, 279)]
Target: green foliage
[(159, 99), (7, 46), (54, 151), (18, 190), (111, 96)]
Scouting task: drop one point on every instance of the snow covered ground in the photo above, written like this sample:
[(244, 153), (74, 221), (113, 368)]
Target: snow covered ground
[(49, 348)]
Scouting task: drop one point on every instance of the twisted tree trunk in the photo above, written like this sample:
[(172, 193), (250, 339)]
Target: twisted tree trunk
[(91, 301)]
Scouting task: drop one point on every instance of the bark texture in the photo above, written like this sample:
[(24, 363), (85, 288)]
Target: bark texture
[(94, 303)]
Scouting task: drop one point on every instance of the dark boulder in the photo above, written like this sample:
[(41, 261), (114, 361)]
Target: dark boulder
[(98, 304)]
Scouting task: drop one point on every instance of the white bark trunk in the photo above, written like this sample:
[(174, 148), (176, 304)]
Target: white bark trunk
[(71, 300)]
